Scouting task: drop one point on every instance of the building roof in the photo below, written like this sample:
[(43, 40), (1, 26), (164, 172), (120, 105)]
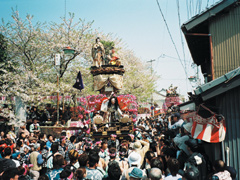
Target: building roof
[(220, 85), (196, 32), (207, 14)]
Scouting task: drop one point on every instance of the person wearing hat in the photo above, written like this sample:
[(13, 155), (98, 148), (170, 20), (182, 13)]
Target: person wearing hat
[(141, 147), (188, 128), (36, 160), (196, 159), (134, 160), (179, 140), (177, 121), (136, 174)]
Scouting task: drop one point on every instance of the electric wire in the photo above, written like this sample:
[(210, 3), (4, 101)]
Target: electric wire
[(179, 22), (190, 8), (187, 9), (196, 7), (164, 55), (200, 6), (207, 3), (171, 38), (164, 29)]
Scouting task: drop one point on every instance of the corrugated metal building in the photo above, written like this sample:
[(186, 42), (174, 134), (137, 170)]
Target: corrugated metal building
[(223, 95), (213, 38), (225, 31), (229, 106)]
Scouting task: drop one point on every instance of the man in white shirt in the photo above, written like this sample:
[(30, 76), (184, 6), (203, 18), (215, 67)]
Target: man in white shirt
[(34, 127), (177, 121)]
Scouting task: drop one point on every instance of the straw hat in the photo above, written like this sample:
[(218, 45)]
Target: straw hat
[(137, 145)]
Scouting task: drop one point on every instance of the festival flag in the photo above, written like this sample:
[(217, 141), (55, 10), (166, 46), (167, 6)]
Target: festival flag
[(79, 82)]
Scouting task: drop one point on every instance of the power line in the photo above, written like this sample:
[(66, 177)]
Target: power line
[(163, 79), (164, 55), (186, 79), (187, 9), (200, 6), (179, 23), (196, 7), (207, 3), (171, 37), (190, 7)]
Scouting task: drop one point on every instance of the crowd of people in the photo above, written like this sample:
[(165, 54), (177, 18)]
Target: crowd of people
[(159, 149)]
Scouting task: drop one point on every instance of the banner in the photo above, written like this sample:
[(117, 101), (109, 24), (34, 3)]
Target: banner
[(212, 129)]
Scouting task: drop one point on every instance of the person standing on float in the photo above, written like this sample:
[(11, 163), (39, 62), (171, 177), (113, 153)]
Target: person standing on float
[(111, 109)]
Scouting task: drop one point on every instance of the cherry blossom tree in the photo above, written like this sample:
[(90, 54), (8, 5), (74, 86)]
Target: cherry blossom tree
[(30, 49)]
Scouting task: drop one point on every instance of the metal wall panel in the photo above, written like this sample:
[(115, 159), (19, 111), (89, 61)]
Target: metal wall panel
[(229, 106), (225, 31)]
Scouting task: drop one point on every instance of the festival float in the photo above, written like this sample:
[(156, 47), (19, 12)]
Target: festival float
[(108, 112), (114, 113), (171, 100)]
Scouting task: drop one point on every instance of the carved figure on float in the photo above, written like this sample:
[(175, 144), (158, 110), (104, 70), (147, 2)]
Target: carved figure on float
[(112, 58), (98, 53)]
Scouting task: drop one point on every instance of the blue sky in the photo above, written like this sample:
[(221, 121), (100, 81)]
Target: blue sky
[(138, 22)]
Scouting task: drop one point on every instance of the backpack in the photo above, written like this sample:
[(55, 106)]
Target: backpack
[(197, 160)]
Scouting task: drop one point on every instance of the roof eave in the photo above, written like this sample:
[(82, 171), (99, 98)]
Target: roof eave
[(198, 19), (220, 85)]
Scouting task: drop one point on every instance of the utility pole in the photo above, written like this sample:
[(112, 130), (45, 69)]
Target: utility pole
[(57, 65), (151, 61)]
